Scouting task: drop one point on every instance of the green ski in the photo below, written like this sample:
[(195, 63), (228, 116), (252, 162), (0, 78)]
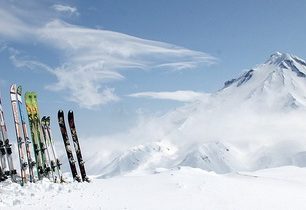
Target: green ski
[(36, 135)]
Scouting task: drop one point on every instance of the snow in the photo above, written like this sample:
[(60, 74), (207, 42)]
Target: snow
[(213, 156), (180, 189), (141, 157), (237, 148), (255, 121)]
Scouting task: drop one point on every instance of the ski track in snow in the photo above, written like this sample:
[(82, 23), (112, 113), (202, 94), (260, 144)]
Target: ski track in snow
[(181, 188)]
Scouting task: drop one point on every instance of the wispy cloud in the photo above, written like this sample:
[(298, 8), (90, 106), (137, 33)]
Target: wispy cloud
[(23, 62), (70, 10), (182, 96), (84, 84), (99, 56), (118, 50), (12, 27), (92, 58)]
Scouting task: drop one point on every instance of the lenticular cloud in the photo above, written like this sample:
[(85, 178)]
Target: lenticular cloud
[(98, 56)]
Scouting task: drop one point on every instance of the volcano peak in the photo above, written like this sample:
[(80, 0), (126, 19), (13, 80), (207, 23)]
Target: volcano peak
[(285, 61), (278, 58)]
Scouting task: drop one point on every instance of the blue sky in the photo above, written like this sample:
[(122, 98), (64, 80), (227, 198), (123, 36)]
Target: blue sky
[(90, 56)]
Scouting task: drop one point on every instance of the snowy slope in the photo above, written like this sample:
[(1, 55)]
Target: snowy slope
[(141, 157), (213, 156), (258, 117), (209, 154), (280, 83), (185, 188)]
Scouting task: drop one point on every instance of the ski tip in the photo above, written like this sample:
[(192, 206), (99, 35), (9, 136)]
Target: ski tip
[(19, 89), (48, 120), (27, 95), (70, 114), (13, 88), (60, 113)]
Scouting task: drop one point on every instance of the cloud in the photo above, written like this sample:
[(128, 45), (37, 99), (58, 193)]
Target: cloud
[(84, 84), (99, 57), (22, 62), (90, 59), (3, 46), (118, 50), (11, 27), (183, 96), (258, 137), (65, 9)]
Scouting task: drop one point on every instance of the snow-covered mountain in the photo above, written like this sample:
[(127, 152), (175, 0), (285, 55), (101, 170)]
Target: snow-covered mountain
[(280, 83), (213, 156), (255, 121), (149, 156)]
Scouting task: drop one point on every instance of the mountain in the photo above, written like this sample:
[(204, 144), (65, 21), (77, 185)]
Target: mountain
[(255, 121), (280, 83), (213, 156), (142, 157)]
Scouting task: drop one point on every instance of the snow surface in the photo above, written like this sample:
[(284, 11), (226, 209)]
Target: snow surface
[(237, 148), (182, 188), (255, 121)]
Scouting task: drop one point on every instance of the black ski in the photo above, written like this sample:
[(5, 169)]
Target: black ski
[(77, 146), (61, 122)]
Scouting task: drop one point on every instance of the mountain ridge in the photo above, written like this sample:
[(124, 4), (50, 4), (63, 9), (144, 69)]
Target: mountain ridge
[(254, 122)]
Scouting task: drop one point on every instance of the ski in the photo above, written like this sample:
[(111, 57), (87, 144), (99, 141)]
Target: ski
[(39, 135), (62, 125), (48, 152), (3, 177), (20, 140), (77, 146), (55, 162), (31, 162), (38, 153), (43, 144), (6, 147), (3, 170)]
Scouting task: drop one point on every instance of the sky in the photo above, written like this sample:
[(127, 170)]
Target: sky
[(115, 62)]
